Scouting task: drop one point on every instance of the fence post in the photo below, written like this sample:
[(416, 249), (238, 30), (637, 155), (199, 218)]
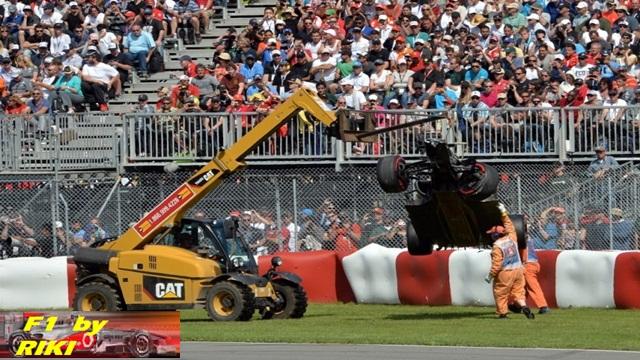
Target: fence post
[(278, 213), (561, 137), (338, 145), (294, 190), (610, 205), (118, 206), (519, 185)]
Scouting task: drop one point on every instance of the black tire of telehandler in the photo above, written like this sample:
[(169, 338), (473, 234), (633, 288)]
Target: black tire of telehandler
[(483, 188), (100, 292), (240, 302), (295, 302), (415, 245), (390, 175)]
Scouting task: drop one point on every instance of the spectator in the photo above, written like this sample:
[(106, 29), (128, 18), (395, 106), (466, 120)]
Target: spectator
[(207, 84), (188, 12), (374, 230), (139, 47), (183, 91), (119, 61), (68, 89), (623, 231), (602, 164), (98, 81), (59, 40)]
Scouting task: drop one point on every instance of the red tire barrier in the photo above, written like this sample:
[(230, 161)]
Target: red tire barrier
[(321, 271), (71, 280), (424, 280), (626, 280), (547, 276)]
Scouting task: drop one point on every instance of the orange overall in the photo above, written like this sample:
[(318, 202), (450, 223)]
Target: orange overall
[(531, 270), (506, 269)]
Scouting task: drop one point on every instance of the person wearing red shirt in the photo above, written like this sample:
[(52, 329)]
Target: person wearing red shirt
[(16, 106), (185, 87), (570, 57), (188, 65)]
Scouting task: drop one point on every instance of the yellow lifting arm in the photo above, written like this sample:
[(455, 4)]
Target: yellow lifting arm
[(171, 209)]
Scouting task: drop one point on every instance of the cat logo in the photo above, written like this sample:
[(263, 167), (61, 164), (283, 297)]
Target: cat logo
[(169, 290), (163, 288)]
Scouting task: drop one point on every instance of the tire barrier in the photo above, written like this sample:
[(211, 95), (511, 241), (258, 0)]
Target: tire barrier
[(321, 271), (36, 283), (375, 274)]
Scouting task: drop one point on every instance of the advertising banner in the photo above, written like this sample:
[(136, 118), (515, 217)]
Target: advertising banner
[(60, 334)]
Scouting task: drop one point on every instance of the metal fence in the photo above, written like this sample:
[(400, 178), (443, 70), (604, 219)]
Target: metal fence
[(99, 140), (299, 209), (59, 141)]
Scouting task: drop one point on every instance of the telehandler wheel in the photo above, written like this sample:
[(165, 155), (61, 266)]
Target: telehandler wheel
[(390, 173), (293, 302), (229, 301), (97, 296)]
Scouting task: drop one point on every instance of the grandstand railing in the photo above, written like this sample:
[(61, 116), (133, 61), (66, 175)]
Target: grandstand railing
[(104, 140)]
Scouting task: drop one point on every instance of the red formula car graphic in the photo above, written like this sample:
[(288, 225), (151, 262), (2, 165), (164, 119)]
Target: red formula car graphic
[(134, 343)]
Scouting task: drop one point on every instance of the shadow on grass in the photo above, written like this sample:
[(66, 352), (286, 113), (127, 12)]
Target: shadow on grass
[(441, 316), (206, 319)]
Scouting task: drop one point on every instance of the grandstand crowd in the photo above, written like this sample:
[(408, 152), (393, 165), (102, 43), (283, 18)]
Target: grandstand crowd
[(481, 58)]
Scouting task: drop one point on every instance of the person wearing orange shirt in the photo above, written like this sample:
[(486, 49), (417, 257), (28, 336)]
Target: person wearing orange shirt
[(610, 13), (570, 57), (532, 286), (506, 268)]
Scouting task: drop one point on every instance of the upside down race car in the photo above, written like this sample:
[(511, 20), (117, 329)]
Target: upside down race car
[(451, 202)]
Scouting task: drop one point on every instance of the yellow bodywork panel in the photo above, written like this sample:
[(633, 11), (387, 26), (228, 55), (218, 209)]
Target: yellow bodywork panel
[(165, 274)]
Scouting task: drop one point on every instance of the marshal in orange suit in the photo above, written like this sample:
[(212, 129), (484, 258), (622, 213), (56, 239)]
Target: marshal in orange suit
[(506, 268)]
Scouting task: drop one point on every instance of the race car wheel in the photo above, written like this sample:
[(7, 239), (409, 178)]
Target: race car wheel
[(390, 173), (521, 229), (97, 296), (292, 300), (14, 341), (415, 245), (140, 345), (229, 301), (479, 183)]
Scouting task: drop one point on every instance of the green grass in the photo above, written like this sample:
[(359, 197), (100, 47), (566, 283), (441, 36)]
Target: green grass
[(422, 325)]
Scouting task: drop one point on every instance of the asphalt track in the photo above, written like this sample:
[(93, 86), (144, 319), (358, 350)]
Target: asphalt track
[(248, 351)]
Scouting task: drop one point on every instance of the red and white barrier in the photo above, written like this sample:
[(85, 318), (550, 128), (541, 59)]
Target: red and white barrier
[(573, 278), (36, 283), (376, 274)]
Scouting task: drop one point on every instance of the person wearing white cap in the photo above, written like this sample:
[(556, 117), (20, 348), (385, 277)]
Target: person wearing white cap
[(324, 67), (354, 99), (415, 32), (594, 27), (583, 15), (476, 115), (384, 27)]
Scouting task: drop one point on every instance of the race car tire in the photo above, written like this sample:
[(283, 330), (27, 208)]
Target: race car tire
[(521, 229), (14, 341), (141, 345), (97, 296), (293, 300), (480, 185), (390, 175), (415, 245), (230, 301)]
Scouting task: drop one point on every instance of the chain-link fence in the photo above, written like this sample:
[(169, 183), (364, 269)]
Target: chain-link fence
[(298, 209)]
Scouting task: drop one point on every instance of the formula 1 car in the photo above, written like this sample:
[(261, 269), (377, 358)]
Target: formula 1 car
[(451, 201), (137, 343)]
